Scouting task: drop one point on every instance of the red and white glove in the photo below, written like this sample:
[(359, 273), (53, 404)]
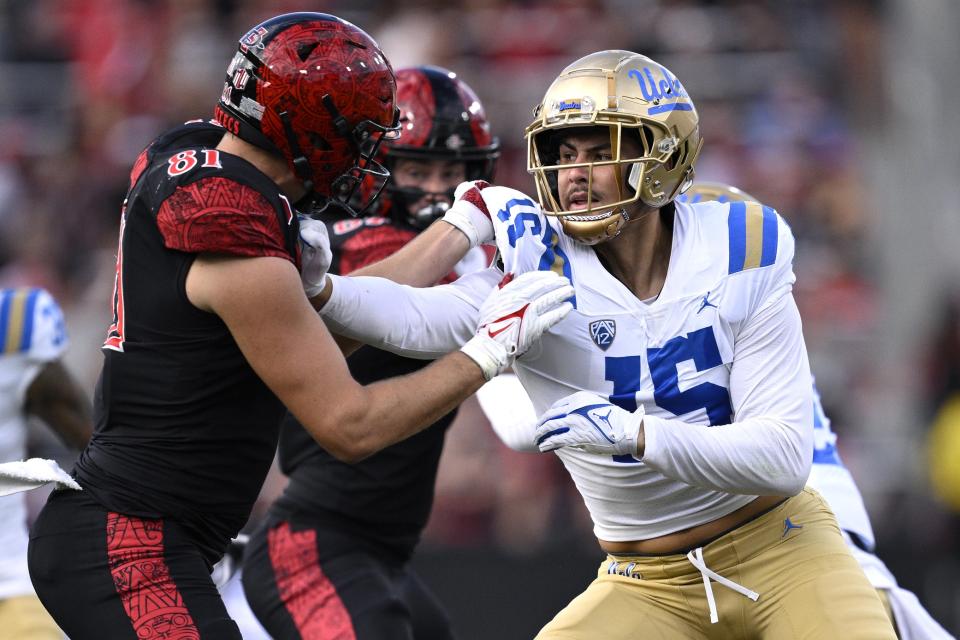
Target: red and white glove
[(315, 255), (469, 213), (515, 315)]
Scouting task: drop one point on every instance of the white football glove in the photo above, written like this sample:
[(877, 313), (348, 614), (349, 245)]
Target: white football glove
[(516, 314), (315, 255), (588, 422), (469, 213)]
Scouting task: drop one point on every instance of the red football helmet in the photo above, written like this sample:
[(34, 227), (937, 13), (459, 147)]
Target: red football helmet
[(318, 91), (441, 118)]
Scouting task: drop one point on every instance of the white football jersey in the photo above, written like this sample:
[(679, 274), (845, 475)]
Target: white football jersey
[(674, 356), (31, 334), (717, 360)]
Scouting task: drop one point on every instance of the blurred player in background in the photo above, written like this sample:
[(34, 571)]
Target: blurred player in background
[(833, 481), (677, 393), (331, 559), (213, 339), (33, 383)]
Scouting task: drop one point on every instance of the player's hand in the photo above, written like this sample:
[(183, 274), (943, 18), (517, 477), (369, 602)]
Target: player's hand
[(516, 314), (469, 213), (315, 255), (588, 422)]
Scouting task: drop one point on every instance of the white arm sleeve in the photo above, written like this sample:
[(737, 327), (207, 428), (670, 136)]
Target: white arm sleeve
[(510, 412), (417, 323), (768, 448)]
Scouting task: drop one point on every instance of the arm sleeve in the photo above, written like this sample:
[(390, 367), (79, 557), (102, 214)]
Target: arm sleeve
[(768, 448), (510, 412), (409, 321)]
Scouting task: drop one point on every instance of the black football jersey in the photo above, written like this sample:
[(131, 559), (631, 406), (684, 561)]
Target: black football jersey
[(184, 427), (387, 496)]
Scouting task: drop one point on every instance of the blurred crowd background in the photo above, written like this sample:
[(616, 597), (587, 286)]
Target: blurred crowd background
[(833, 111)]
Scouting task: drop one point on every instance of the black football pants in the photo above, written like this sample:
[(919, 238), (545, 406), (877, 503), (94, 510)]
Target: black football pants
[(105, 575), (318, 583)]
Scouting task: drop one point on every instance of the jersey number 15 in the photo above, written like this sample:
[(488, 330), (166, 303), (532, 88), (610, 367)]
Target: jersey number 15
[(700, 346)]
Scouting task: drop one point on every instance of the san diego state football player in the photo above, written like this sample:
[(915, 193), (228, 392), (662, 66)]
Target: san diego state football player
[(213, 339)]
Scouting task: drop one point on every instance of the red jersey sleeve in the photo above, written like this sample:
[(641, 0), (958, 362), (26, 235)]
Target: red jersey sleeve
[(220, 215), (371, 244)]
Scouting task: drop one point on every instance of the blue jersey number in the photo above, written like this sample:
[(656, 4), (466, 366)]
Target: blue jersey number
[(521, 220), (700, 346)]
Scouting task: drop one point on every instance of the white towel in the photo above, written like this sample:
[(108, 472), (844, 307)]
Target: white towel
[(31, 474)]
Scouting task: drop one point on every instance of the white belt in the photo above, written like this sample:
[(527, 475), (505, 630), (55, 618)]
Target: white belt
[(696, 559)]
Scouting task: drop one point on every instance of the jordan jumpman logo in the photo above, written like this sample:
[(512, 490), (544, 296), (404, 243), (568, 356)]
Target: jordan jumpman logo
[(787, 526)]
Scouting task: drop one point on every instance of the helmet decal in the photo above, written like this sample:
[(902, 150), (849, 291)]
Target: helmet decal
[(656, 91)]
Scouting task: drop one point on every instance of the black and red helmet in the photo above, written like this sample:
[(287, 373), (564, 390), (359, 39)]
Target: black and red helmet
[(441, 118), (318, 91)]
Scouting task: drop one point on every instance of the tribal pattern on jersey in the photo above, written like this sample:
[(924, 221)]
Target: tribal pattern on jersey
[(305, 590), (221, 215), (371, 245), (135, 552)]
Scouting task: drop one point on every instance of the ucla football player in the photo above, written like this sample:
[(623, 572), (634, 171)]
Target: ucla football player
[(833, 481), (676, 393)]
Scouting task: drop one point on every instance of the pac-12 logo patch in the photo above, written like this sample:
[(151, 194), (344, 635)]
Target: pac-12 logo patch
[(603, 332)]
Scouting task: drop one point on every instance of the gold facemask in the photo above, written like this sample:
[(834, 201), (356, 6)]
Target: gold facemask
[(625, 93)]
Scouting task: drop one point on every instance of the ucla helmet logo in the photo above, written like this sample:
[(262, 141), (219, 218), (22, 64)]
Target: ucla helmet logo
[(603, 332)]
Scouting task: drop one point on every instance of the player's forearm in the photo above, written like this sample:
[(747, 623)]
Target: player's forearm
[(510, 412), (422, 262), (768, 448), (758, 456), (419, 323), (392, 410)]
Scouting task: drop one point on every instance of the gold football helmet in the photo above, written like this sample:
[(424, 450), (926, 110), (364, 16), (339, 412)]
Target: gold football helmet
[(631, 95), (717, 191)]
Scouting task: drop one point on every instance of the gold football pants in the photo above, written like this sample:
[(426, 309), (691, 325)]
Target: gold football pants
[(24, 618), (792, 559)]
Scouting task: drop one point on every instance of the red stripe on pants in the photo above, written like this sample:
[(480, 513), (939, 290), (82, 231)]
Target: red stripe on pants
[(142, 579), (310, 597)]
